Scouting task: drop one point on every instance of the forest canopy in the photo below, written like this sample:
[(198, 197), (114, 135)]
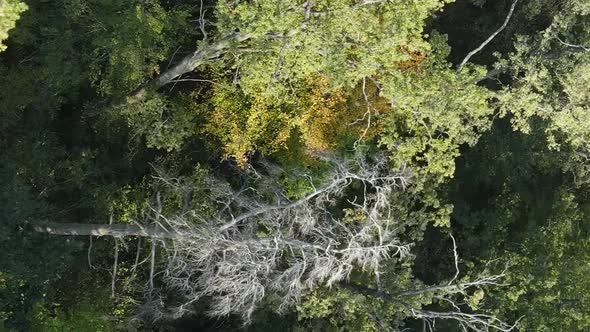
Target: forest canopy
[(297, 165)]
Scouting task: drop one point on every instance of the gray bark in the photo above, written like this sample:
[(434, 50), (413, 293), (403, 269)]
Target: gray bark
[(114, 230), (487, 41), (186, 65)]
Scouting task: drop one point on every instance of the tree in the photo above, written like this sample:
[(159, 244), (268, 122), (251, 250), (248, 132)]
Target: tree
[(514, 203), (260, 245), (307, 39), (550, 73), (260, 98), (256, 235), (548, 278)]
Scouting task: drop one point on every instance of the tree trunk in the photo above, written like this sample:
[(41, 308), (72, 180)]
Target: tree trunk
[(186, 65), (114, 230)]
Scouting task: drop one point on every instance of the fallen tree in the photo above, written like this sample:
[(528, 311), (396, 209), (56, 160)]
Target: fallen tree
[(261, 243)]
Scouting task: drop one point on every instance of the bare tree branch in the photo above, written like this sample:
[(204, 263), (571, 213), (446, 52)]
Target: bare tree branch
[(467, 321), (456, 256), (115, 265), (115, 262), (90, 254), (136, 262), (152, 265), (487, 41), (189, 63), (114, 230), (202, 13), (261, 242), (582, 47), (228, 260)]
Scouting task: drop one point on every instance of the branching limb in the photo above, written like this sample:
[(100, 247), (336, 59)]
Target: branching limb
[(202, 12), (367, 115), (467, 321), (582, 47), (228, 260)]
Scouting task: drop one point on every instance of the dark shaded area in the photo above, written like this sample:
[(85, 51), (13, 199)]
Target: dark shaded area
[(468, 24), (503, 189)]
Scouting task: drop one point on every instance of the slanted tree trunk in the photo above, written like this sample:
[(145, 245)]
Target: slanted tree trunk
[(186, 65), (114, 230)]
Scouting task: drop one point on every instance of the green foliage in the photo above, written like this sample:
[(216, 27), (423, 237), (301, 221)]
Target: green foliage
[(29, 263), (551, 82), (10, 11), (435, 111), (87, 316), (312, 120), (339, 310), (244, 124), (513, 206), (498, 191), (78, 301), (346, 42), (548, 274), (165, 123), (127, 48)]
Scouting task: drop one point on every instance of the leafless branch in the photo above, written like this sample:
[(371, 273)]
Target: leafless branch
[(367, 114), (115, 265), (136, 262), (172, 58), (456, 256), (90, 254), (487, 280), (487, 41), (229, 260), (444, 293), (202, 12), (193, 80), (152, 265), (582, 47), (468, 321), (115, 262), (260, 242)]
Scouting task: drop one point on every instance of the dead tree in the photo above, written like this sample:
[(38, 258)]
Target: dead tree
[(262, 242)]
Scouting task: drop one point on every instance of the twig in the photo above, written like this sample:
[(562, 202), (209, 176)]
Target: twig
[(136, 258), (583, 47), (367, 114), (172, 58), (202, 21), (193, 80), (152, 265), (89, 254), (115, 263), (456, 259)]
